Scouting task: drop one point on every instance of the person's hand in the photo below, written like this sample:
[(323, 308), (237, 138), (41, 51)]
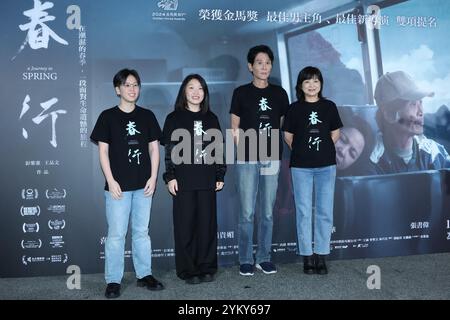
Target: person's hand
[(219, 185), (150, 186), (172, 185), (115, 190)]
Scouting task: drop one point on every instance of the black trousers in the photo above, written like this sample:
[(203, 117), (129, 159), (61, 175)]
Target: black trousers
[(195, 232)]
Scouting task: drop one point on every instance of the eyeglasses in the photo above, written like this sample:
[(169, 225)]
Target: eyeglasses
[(130, 85)]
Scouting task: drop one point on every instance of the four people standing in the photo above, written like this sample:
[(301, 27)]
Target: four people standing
[(128, 136)]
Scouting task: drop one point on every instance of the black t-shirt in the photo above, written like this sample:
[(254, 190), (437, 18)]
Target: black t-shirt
[(128, 136), (195, 174), (311, 124), (260, 110)]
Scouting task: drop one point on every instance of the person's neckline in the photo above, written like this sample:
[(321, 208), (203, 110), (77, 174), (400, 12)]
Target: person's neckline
[(192, 111), (312, 102), (260, 88), (127, 112)]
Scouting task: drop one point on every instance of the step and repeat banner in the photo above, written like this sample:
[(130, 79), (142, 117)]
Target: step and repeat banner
[(57, 61)]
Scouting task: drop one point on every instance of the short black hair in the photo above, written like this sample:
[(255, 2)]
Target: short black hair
[(121, 77), (181, 101), (308, 73), (253, 52)]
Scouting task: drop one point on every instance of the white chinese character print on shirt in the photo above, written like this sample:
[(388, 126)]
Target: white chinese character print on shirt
[(131, 128), (198, 148), (265, 127), (263, 106), (313, 118), (314, 142), (198, 128), (133, 154)]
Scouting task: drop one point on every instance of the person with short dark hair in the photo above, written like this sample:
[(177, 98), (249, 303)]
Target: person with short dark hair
[(311, 129), (193, 180), (127, 137), (257, 110)]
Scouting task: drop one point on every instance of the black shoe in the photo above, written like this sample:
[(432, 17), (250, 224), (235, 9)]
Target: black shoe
[(150, 282), (193, 280), (207, 277), (321, 266), (112, 290), (309, 266)]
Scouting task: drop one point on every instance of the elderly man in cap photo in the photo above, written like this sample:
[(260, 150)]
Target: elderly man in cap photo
[(400, 144)]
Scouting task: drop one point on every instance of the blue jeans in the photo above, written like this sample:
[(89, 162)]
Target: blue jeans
[(323, 180), (250, 184), (117, 216)]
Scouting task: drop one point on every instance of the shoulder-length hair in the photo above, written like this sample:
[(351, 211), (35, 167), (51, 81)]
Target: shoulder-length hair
[(181, 101), (308, 73)]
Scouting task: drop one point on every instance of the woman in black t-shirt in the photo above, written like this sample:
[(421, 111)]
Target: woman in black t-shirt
[(311, 128), (195, 171)]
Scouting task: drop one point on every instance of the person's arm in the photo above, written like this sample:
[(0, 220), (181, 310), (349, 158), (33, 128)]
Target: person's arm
[(153, 150), (113, 185), (336, 124), (166, 141), (235, 122), (284, 107), (169, 175), (335, 134), (288, 137), (221, 168)]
